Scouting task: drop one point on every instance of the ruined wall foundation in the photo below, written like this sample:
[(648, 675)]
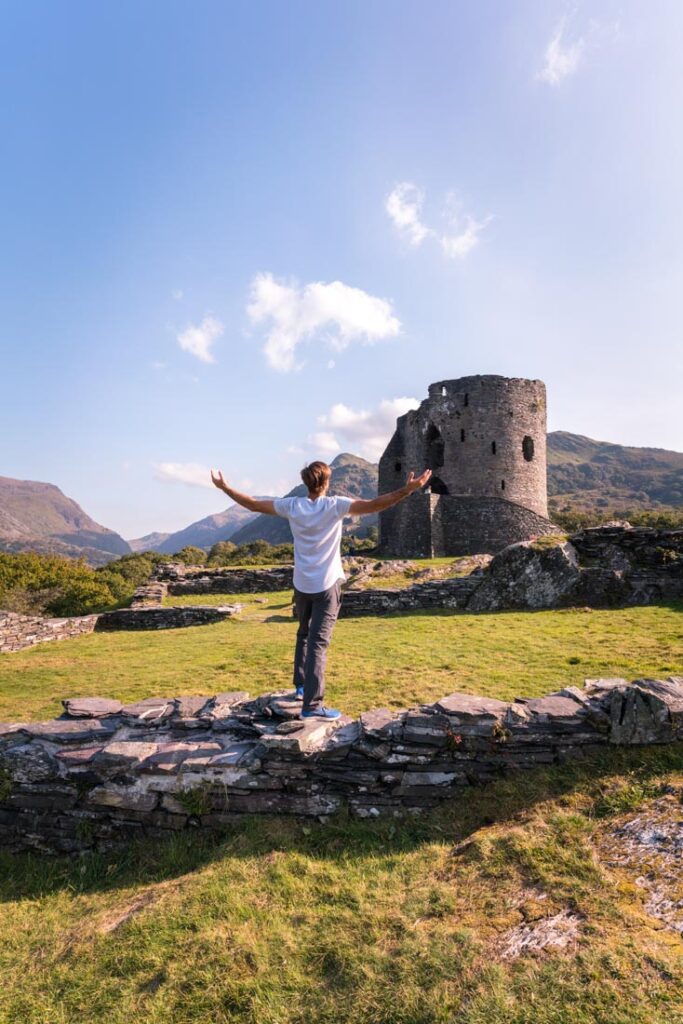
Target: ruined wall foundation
[(105, 773)]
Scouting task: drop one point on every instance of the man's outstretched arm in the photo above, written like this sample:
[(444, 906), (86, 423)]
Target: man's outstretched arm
[(253, 504), (365, 507)]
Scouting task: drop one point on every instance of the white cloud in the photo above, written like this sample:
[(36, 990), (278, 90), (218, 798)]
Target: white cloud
[(561, 58), (336, 313), (197, 340), (324, 442), (404, 206), (364, 432), (191, 473), (464, 230)]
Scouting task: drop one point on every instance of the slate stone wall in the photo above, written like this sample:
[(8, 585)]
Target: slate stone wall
[(482, 437), (104, 773), (163, 618), (180, 579), (17, 632), (20, 631)]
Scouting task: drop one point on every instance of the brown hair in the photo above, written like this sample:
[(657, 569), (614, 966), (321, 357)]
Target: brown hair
[(315, 476)]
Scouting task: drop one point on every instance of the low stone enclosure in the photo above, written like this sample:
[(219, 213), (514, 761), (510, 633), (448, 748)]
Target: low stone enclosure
[(608, 566), (104, 773), (17, 632), (612, 566)]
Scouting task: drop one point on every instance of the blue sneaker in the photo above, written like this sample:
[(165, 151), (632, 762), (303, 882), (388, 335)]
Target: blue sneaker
[(321, 712), (297, 695)]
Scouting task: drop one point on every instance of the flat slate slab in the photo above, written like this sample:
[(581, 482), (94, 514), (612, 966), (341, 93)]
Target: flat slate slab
[(465, 706), (91, 707), (152, 709), (63, 730)]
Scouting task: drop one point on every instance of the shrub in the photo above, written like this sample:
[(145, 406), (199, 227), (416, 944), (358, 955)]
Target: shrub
[(190, 555)]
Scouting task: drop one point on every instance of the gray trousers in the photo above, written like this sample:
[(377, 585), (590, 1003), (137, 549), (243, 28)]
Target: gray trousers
[(317, 614)]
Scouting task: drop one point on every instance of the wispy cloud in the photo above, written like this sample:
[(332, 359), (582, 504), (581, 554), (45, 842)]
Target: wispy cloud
[(363, 432), (193, 474), (198, 339), (404, 206), (561, 57), (334, 313)]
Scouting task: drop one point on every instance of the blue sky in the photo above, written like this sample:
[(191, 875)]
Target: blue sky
[(249, 234)]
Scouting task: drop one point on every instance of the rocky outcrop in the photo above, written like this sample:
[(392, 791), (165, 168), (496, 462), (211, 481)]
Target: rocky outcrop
[(527, 575), (599, 568), (106, 771)]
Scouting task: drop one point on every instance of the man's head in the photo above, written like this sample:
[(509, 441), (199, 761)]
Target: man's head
[(316, 477)]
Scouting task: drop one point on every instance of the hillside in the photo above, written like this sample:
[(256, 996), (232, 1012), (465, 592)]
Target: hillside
[(37, 516), (351, 476), (590, 474), (202, 534)]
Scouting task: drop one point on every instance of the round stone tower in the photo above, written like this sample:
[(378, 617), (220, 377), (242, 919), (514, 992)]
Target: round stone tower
[(484, 438)]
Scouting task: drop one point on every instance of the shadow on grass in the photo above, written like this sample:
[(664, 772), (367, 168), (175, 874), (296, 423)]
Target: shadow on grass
[(510, 800)]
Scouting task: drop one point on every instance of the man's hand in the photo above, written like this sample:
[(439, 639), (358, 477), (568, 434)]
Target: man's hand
[(414, 483), (264, 505), (217, 480)]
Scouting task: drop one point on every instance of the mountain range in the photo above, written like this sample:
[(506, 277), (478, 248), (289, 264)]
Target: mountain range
[(582, 474), (39, 517)]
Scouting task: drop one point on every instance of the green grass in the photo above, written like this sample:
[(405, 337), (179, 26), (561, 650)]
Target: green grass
[(393, 660), (279, 921)]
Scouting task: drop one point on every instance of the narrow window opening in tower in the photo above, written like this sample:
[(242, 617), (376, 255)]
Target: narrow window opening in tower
[(397, 467), (435, 447), (462, 435), (467, 399), (528, 448), (437, 486), (502, 485), (493, 447)]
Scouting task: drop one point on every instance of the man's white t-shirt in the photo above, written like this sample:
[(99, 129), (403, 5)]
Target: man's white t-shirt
[(316, 525)]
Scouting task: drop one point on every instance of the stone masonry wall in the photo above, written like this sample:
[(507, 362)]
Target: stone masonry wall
[(180, 579), (104, 773), (17, 632), (20, 631)]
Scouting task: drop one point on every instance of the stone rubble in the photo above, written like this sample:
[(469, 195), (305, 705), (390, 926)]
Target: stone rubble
[(105, 771)]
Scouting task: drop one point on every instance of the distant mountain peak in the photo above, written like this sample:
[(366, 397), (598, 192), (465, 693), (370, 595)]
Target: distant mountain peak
[(37, 516)]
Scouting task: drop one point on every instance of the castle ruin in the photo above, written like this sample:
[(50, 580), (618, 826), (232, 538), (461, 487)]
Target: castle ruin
[(484, 438)]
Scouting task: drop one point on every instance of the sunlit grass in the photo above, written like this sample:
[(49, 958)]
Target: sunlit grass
[(392, 660), (279, 921), (283, 922)]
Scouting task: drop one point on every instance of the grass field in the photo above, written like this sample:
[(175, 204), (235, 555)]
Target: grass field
[(279, 921), (393, 660)]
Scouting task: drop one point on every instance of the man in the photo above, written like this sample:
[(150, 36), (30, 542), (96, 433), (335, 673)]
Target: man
[(316, 524)]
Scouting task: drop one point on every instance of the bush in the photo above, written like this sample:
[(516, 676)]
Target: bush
[(573, 519), (34, 584), (190, 555), (257, 552)]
